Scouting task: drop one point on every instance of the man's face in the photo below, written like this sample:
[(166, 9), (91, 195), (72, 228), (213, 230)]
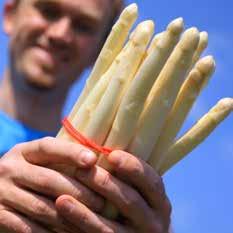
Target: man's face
[(52, 41)]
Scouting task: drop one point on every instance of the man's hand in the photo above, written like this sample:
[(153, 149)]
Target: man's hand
[(144, 208), (28, 189)]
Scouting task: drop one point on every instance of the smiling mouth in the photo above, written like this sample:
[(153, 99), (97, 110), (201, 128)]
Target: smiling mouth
[(46, 57), (54, 57)]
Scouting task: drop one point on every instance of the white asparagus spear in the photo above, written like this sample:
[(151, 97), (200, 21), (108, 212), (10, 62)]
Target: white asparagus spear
[(126, 64), (111, 48), (154, 42), (160, 147), (203, 42), (188, 94), (176, 27), (197, 134), (132, 103), (163, 95), (86, 110), (103, 116)]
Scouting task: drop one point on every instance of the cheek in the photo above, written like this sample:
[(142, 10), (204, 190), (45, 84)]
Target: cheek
[(22, 41), (27, 31)]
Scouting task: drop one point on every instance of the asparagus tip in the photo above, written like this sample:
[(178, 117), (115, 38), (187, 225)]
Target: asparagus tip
[(190, 39), (130, 11), (206, 65), (158, 36), (155, 41), (176, 26), (204, 40), (204, 35), (192, 31), (226, 103), (143, 32), (148, 25), (203, 70)]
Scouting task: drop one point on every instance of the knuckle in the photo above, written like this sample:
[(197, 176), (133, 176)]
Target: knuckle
[(77, 193), (44, 144), (47, 139), (8, 166), (76, 151), (91, 199), (40, 209), (5, 168), (16, 148), (44, 181), (104, 180), (132, 201)]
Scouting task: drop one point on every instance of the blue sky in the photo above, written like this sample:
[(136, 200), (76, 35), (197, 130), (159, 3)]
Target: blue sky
[(201, 186)]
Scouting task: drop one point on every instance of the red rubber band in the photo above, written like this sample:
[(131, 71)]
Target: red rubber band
[(82, 139)]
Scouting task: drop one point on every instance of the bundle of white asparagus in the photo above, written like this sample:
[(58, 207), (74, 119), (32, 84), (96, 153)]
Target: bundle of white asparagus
[(140, 92)]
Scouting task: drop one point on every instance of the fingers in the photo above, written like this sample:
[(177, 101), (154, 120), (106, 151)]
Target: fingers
[(54, 184), (15, 223), (50, 150), (142, 176), (79, 215), (126, 199), (33, 206)]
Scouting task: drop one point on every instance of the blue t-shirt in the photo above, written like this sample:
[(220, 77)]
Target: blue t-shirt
[(13, 132)]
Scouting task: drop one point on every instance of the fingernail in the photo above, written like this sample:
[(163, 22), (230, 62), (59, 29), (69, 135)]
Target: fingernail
[(88, 157), (115, 158)]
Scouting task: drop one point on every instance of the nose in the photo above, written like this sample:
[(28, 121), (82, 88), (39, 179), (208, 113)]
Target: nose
[(59, 33)]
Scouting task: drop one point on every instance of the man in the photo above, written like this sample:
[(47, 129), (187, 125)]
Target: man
[(51, 43)]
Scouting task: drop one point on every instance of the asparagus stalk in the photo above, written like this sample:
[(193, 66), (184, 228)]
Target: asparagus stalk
[(176, 26), (111, 48), (203, 42), (86, 110), (163, 95), (103, 116), (183, 104), (132, 103), (197, 134), (154, 42)]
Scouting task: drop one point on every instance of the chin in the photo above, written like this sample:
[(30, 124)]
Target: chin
[(36, 78), (39, 86)]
